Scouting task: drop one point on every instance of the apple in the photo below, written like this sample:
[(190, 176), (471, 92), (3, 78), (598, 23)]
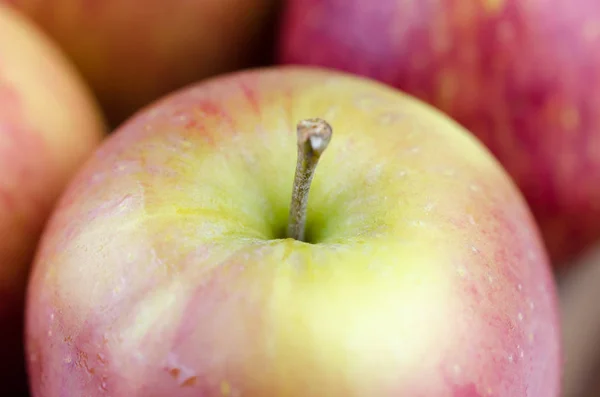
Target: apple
[(523, 76), (133, 52), (184, 258), (49, 123)]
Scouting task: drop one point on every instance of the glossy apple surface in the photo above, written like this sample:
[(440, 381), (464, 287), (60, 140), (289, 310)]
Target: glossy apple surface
[(48, 124), (164, 271), (133, 52), (524, 76)]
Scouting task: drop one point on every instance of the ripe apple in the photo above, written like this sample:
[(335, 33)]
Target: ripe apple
[(48, 124), (167, 268), (523, 76), (133, 52)]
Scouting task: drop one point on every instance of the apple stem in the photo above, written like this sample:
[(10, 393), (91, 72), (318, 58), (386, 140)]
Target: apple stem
[(313, 137)]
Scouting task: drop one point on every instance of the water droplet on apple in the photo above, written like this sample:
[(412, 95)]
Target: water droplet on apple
[(331, 112), (365, 102), (520, 316), (127, 167), (181, 119), (510, 358), (374, 174), (390, 118), (519, 287), (97, 177), (456, 368), (448, 172)]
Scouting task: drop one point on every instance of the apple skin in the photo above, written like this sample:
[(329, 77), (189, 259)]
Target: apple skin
[(133, 52), (162, 271), (48, 124), (523, 76)]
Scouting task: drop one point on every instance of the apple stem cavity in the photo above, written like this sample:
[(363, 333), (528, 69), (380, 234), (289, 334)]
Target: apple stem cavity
[(313, 137)]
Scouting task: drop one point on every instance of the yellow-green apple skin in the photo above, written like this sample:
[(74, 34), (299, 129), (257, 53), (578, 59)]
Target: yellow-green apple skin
[(165, 270), (48, 124), (133, 52)]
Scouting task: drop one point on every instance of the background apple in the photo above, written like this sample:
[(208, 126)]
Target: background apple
[(164, 270), (524, 76), (134, 51), (48, 124)]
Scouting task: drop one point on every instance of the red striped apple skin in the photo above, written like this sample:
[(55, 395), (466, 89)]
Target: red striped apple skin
[(49, 123), (523, 75), (132, 52), (162, 271)]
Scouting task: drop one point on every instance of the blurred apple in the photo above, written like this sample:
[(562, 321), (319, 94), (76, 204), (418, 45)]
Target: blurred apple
[(166, 271), (134, 51), (48, 124), (524, 76)]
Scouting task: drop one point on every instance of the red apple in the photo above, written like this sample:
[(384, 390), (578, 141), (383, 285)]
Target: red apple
[(48, 124), (166, 271), (134, 51), (523, 75)]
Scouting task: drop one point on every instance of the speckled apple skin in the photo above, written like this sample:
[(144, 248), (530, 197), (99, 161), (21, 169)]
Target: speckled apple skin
[(133, 52), (523, 75), (48, 124), (162, 271)]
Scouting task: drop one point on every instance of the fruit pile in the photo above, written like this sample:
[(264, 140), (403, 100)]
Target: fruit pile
[(294, 198)]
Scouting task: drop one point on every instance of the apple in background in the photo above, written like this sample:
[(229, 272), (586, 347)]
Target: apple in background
[(48, 124), (133, 52), (523, 76), (165, 269)]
